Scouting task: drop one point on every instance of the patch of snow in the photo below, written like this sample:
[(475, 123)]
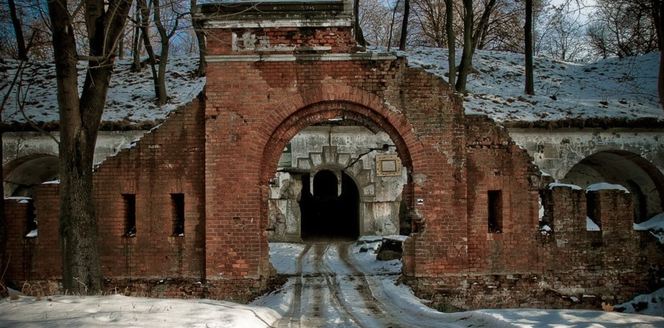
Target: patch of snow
[(123, 311), (32, 234), (650, 304), (591, 225), (369, 239), (655, 223), (130, 96), (610, 88), (563, 185), (283, 256), (396, 237), (606, 186)]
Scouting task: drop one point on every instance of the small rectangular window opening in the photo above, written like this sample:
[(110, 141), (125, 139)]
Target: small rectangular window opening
[(495, 202), (32, 221), (129, 201), (177, 201)]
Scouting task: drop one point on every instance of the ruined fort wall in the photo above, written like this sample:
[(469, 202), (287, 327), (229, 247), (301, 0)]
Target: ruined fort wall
[(166, 161)]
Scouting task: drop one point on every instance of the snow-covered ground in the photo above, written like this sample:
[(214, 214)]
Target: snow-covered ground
[(613, 88), (330, 285), (130, 97)]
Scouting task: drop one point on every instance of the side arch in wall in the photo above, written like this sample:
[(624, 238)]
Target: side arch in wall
[(644, 181), (24, 173)]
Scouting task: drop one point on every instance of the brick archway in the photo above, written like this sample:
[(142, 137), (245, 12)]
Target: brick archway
[(321, 104), (322, 112)]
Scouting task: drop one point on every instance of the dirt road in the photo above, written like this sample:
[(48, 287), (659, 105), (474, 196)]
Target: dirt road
[(330, 289)]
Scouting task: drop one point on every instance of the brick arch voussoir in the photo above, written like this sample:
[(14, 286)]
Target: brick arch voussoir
[(379, 119), (293, 104)]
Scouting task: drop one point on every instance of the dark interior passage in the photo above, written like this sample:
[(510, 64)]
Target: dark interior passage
[(326, 214)]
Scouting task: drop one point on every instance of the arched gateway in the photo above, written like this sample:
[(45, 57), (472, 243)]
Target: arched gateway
[(186, 211)]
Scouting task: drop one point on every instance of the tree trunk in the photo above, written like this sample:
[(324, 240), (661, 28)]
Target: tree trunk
[(79, 126), (135, 43), (145, 34), (20, 40), (483, 25), (162, 96), (357, 29), (451, 40), (394, 14), (202, 45), (658, 18), (404, 26), (530, 87), (467, 55), (3, 220)]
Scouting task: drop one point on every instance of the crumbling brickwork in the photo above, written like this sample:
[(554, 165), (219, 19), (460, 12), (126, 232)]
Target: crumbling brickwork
[(472, 193)]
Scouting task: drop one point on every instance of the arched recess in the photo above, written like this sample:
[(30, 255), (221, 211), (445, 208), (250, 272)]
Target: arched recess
[(22, 174), (324, 111), (332, 209), (644, 181)]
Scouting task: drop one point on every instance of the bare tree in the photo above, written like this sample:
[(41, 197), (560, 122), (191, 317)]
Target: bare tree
[(528, 27), (404, 25), (624, 27), (451, 41), (200, 37), (657, 12), (79, 125), (563, 37), (18, 30), (467, 54), (158, 64)]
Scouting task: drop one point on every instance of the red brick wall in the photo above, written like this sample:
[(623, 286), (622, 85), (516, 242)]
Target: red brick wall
[(34, 258), (220, 153), (612, 265), (166, 161)]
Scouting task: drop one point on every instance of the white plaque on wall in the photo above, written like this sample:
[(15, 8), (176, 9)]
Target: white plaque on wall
[(388, 165)]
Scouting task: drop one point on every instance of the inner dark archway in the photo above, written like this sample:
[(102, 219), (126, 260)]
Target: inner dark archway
[(326, 213)]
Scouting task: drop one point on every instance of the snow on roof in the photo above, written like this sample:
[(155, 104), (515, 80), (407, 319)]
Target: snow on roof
[(563, 185), (130, 98), (611, 88), (655, 223), (606, 186)]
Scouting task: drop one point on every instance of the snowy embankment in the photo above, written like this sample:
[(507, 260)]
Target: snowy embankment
[(655, 225), (623, 89), (131, 98), (610, 88), (381, 277)]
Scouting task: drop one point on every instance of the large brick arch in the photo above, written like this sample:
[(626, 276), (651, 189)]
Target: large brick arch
[(321, 112), (320, 104)]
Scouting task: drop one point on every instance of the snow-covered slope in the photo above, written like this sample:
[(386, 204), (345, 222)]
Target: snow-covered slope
[(612, 88), (130, 98)]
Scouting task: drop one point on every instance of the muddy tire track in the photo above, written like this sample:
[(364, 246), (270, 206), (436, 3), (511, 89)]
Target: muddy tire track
[(292, 318)]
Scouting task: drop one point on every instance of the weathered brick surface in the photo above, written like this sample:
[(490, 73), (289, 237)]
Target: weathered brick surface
[(221, 151)]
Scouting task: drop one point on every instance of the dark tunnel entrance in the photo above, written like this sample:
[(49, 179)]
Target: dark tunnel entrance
[(326, 213)]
